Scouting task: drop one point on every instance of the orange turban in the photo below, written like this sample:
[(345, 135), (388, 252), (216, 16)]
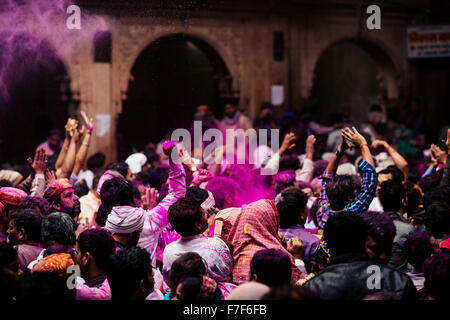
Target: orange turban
[(57, 263)]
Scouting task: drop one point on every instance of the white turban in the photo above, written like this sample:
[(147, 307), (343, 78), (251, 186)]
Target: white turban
[(125, 219), (136, 161)]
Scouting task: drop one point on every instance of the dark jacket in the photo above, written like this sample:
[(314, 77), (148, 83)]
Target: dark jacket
[(404, 231), (353, 278)]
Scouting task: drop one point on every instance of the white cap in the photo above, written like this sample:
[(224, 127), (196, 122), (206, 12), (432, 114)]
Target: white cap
[(136, 161)]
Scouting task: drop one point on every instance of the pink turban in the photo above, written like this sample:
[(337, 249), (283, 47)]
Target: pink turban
[(108, 175), (55, 189), (11, 196)]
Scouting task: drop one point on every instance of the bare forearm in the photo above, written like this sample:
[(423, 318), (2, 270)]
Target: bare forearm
[(69, 160), (399, 161), (334, 163), (62, 154), (82, 153)]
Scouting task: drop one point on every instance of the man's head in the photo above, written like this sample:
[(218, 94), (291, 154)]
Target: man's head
[(230, 110), (130, 275), (58, 227), (96, 162), (226, 192), (114, 192), (36, 203), (418, 248), (271, 267), (54, 139), (62, 197), (189, 264), (93, 248), (126, 223), (437, 276), (187, 217), (123, 168), (392, 196), (24, 226), (341, 190), (291, 206), (437, 220), (283, 180), (345, 233), (380, 235)]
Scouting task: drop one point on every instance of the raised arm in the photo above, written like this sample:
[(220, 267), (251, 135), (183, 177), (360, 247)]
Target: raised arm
[(69, 161), (65, 147), (445, 181), (358, 140), (83, 151), (399, 161), (307, 170)]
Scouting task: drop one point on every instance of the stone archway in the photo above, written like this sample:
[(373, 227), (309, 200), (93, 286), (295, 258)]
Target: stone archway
[(169, 78), (372, 74)]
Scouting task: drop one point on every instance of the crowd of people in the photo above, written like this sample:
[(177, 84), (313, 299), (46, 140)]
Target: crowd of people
[(349, 213)]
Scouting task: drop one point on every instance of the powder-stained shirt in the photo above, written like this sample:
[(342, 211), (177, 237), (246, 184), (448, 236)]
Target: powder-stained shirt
[(361, 202), (156, 218)]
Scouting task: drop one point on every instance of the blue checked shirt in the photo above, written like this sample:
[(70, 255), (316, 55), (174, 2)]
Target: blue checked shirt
[(361, 202)]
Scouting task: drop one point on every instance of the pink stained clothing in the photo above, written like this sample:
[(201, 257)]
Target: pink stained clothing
[(213, 251), (85, 292), (27, 253), (156, 218)]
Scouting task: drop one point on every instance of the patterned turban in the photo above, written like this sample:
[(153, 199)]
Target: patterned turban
[(11, 196), (56, 263), (55, 189), (108, 175), (125, 219)]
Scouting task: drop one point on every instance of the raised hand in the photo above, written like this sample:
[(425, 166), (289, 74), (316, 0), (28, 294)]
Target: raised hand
[(38, 164), (49, 176), (288, 142), (88, 121), (380, 144), (149, 199), (438, 154), (353, 136), (310, 145)]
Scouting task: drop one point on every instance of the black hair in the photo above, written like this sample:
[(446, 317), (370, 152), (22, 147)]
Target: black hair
[(6, 183), (418, 248), (96, 161), (381, 228), (289, 207), (30, 202), (183, 214), (272, 267), (156, 177), (414, 176), (190, 289), (58, 227), (397, 175), (126, 269), (340, 190), (375, 107), (151, 155), (189, 264), (99, 243), (414, 198), (114, 192), (345, 233), (437, 277), (80, 188), (284, 179), (437, 219), (221, 188), (319, 167), (120, 167), (196, 193), (391, 194), (30, 221), (289, 162)]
